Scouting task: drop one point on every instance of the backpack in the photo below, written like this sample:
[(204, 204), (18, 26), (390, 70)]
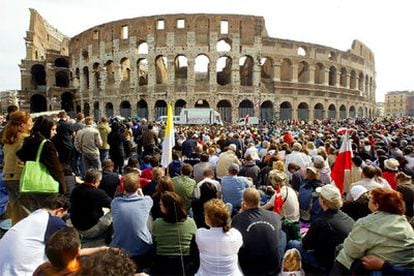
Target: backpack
[(309, 201)]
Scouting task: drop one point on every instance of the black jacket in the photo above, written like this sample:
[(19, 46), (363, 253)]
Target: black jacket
[(325, 233)]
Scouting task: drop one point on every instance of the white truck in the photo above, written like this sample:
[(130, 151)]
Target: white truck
[(199, 116), (251, 121)]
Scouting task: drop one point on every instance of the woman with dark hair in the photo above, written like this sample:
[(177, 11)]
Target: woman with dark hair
[(43, 128), (207, 191), (116, 146), (220, 244), (173, 236), (17, 129), (385, 233), (164, 184)]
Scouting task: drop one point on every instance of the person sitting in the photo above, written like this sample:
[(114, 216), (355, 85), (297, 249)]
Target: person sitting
[(367, 180), (208, 176), (325, 233), (87, 201), (263, 243), (385, 233), (208, 191), (218, 245), (110, 179), (173, 238), (358, 207), (164, 184), (406, 187), (130, 214), (22, 247), (184, 185)]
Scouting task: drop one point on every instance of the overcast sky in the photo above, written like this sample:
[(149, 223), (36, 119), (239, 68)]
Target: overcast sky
[(384, 26)]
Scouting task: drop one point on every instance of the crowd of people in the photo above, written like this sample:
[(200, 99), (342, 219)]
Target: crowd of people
[(235, 200)]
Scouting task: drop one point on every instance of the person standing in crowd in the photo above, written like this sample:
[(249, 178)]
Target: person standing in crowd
[(184, 185), (116, 146), (149, 140), (43, 128), (385, 233), (104, 129), (22, 248), (63, 140), (87, 214), (261, 231), (77, 162), (110, 179), (318, 246), (220, 244), (16, 130), (88, 141), (188, 145), (130, 214)]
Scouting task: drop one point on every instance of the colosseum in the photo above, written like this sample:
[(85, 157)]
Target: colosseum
[(134, 67)]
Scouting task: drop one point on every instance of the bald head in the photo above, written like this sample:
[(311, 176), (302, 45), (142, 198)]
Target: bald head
[(251, 198)]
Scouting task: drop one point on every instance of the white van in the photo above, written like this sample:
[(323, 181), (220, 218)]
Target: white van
[(163, 120), (251, 121)]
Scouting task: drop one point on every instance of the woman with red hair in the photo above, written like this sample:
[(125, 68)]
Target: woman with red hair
[(385, 233)]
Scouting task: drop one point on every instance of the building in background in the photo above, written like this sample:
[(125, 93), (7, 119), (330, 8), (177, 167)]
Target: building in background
[(8, 97), (379, 110), (399, 103), (134, 67)]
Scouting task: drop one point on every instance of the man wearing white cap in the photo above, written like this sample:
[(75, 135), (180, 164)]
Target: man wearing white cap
[(329, 230), (358, 207)]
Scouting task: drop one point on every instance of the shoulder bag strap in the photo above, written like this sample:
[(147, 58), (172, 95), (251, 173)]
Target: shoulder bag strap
[(39, 151)]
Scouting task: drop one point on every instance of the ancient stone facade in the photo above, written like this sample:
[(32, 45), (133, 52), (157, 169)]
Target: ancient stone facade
[(134, 67)]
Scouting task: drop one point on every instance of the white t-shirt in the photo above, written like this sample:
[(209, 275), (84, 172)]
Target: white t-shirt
[(290, 209), (22, 248)]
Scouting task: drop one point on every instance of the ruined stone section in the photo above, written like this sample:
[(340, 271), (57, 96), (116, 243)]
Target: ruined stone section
[(134, 67)]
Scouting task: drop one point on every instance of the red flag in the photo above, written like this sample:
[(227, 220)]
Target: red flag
[(343, 162)]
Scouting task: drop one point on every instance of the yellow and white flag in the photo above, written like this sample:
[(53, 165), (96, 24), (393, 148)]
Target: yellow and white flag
[(169, 139)]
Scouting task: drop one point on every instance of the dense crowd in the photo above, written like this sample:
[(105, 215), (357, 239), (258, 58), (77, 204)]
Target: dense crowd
[(234, 200)]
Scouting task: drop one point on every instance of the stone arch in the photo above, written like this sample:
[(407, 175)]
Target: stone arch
[(223, 69), (110, 72), (109, 110), (160, 108), (62, 62), (318, 111), (301, 51), (246, 70), (352, 112), (224, 108), (286, 70), (303, 72), (161, 70), (319, 73), (303, 111), (266, 68), (86, 77), (360, 112), (361, 81), (352, 82), (142, 109), (142, 48), (97, 74), (96, 113), (67, 102), (223, 45), (179, 104), (332, 76), (62, 79), (246, 107), (285, 111), (125, 70), (201, 103), (181, 67), (86, 109), (266, 111), (331, 111), (125, 109), (38, 103), (142, 68), (343, 79), (202, 68), (342, 112), (38, 75)]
